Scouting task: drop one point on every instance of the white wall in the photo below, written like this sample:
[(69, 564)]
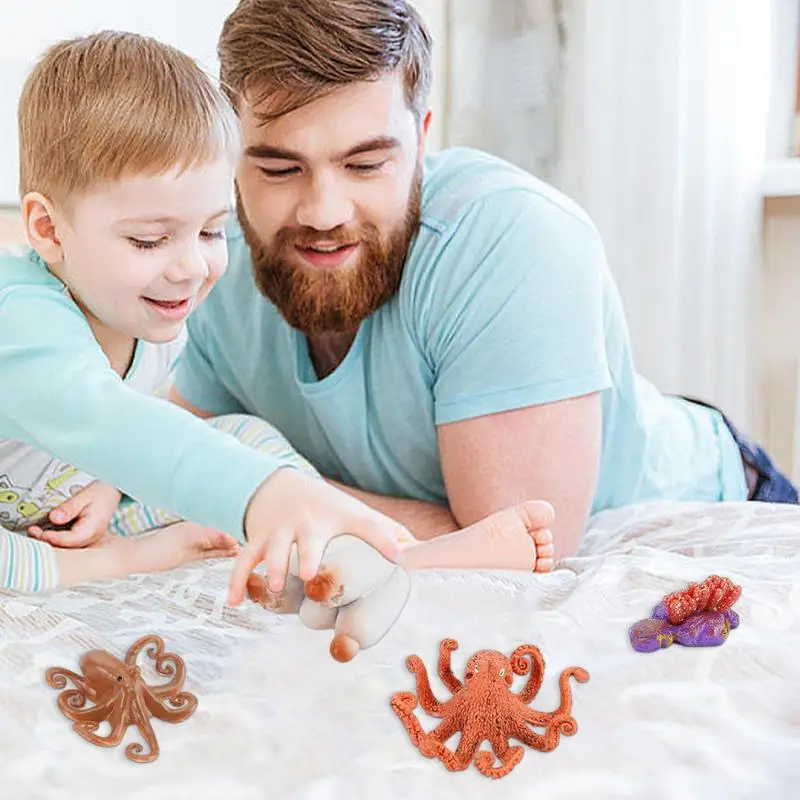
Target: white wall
[(27, 27)]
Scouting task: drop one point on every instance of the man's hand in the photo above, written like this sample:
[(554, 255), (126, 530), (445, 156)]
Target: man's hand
[(291, 508), (90, 512)]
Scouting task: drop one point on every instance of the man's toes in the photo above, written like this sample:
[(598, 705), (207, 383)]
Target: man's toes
[(543, 536), (545, 551), (543, 565), (536, 514)]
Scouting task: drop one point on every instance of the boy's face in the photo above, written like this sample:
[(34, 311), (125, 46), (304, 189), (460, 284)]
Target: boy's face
[(140, 254), (329, 199)]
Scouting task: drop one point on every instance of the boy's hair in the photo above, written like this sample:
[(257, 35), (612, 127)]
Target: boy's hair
[(295, 51), (97, 108)]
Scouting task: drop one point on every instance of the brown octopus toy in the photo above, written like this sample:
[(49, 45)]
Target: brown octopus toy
[(121, 697), (484, 707)]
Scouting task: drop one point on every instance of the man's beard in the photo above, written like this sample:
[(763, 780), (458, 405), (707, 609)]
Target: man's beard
[(337, 300)]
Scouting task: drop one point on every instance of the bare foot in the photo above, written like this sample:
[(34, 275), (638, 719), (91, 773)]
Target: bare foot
[(515, 538), (171, 547)]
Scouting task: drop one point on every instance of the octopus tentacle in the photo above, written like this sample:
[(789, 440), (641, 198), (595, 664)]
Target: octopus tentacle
[(580, 675), (445, 669), (403, 704), (538, 718), (445, 729), (509, 755), (560, 723), (426, 697), (471, 736), (405, 701), (541, 718), (521, 666), (116, 719), (70, 708), (430, 744), (167, 664), (140, 644), (140, 719), (170, 664), (181, 705), (57, 677)]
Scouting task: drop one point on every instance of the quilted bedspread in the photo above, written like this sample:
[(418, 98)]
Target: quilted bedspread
[(277, 718)]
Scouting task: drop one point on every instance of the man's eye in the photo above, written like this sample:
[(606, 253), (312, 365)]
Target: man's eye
[(146, 244), (374, 167), (279, 173)]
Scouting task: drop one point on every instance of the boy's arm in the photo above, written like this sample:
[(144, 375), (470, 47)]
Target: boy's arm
[(59, 394)]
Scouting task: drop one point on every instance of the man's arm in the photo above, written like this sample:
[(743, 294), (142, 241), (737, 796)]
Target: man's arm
[(424, 520), (548, 452), (516, 334), (176, 397)]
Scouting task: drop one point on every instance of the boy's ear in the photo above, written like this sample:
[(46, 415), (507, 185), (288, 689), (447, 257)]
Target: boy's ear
[(40, 227)]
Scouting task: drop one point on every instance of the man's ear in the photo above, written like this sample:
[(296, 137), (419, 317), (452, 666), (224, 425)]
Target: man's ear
[(40, 227), (426, 123), (423, 133)]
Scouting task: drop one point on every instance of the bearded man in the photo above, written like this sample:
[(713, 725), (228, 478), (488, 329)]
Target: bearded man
[(440, 335)]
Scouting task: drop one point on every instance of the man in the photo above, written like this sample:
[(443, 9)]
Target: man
[(440, 336)]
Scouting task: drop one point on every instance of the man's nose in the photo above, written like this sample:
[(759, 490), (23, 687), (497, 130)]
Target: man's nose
[(325, 204)]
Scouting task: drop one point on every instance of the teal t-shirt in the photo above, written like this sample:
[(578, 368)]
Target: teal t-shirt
[(506, 301)]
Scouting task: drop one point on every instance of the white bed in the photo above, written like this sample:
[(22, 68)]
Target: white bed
[(277, 718)]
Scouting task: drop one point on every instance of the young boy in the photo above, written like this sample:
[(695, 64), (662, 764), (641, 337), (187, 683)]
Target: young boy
[(127, 153)]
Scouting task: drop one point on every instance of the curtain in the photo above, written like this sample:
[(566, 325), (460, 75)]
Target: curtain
[(664, 144), (652, 115), (504, 75)]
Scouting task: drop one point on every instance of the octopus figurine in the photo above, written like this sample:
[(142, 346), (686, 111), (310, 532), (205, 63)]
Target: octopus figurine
[(485, 707), (120, 696), (698, 616)]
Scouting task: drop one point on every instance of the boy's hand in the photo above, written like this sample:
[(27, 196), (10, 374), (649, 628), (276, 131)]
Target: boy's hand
[(293, 508), (90, 512)]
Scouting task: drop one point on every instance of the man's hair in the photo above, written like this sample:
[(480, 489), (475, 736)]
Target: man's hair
[(292, 52), (102, 107)]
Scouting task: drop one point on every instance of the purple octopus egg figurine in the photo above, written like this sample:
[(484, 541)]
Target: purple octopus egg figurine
[(699, 616)]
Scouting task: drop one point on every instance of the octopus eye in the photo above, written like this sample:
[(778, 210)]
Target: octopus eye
[(119, 678), (502, 672)]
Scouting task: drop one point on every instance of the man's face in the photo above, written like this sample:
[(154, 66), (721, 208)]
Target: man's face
[(329, 199)]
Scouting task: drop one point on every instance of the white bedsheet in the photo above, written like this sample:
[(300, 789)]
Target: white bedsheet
[(277, 718)]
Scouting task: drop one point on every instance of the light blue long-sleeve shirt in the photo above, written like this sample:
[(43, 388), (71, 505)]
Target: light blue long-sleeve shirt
[(58, 393)]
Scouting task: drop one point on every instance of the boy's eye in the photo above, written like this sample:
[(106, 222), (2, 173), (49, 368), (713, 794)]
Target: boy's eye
[(215, 234), (147, 244)]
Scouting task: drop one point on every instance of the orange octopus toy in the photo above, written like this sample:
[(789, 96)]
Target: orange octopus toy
[(484, 707)]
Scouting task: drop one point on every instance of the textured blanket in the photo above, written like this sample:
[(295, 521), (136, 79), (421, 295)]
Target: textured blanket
[(277, 718)]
